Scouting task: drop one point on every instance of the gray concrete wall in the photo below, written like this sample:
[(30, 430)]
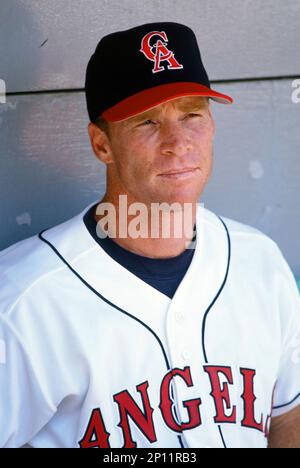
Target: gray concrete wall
[(251, 48)]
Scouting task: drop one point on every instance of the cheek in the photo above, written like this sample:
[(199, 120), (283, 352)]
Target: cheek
[(203, 134), (203, 141), (133, 161)]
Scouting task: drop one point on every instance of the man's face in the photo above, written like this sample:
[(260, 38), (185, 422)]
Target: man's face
[(174, 136)]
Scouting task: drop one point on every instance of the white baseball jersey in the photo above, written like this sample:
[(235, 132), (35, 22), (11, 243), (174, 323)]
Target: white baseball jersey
[(92, 356)]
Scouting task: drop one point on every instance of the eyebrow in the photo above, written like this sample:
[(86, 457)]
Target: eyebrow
[(188, 106), (182, 106), (144, 116)]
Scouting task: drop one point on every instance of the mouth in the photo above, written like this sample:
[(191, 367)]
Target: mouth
[(182, 174)]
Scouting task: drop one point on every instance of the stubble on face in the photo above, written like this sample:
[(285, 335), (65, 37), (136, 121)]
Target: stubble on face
[(163, 139)]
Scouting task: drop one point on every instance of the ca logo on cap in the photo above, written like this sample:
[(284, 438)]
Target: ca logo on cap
[(159, 52)]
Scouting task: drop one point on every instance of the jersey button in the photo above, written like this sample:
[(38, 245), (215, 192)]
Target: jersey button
[(179, 316), (186, 354)]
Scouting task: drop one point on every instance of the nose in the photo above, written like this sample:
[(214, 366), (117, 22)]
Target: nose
[(175, 140)]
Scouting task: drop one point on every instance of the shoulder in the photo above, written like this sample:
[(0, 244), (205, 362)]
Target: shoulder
[(22, 265), (234, 227), (32, 262), (250, 247), (237, 230)]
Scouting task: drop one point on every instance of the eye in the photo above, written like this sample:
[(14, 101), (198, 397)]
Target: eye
[(147, 122), (192, 114)]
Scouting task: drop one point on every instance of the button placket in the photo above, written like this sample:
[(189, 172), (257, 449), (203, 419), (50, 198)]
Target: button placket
[(186, 355)]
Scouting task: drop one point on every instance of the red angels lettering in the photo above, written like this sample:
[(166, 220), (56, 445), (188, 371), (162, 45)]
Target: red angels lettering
[(249, 398), (191, 405), (96, 434), (128, 407), (221, 395), (159, 52), (220, 378)]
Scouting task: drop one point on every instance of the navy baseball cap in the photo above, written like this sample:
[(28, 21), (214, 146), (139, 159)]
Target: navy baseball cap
[(136, 69)]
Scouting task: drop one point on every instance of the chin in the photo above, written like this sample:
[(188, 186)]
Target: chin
[(184, 194), (179, 198), (163, 194)]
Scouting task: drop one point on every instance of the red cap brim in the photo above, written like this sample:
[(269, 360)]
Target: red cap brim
[(152, 97)]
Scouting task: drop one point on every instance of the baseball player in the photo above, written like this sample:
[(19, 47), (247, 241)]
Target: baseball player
[(149, 341)]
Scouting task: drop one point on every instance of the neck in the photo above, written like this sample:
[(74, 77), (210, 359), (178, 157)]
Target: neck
[(151, 232)]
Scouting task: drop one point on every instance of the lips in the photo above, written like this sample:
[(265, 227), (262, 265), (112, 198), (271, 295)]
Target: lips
[(177, 172), (181, 174)]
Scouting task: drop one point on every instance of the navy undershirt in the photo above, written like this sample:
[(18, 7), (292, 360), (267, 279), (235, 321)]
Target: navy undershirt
[(164, 274)]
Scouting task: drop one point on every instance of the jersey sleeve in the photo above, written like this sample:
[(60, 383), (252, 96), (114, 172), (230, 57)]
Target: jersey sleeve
[(24, 406), (286, 394)]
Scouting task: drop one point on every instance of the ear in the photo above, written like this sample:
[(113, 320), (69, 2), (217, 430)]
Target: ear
[(100, 143)]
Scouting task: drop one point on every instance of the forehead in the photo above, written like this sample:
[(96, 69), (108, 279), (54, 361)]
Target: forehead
[(184, 104)]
